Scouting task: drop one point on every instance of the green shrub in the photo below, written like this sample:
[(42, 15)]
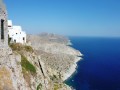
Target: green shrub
[(27, 66), (54, 78), (39, 87), (28, 48), (56, 86)]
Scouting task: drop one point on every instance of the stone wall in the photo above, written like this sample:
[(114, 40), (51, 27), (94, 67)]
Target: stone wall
[(3, 16)]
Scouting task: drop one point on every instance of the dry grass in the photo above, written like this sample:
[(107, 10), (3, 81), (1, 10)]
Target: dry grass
[(20, 47), (5, 79)]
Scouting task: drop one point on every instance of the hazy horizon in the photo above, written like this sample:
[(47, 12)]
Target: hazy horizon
[(92, 18)]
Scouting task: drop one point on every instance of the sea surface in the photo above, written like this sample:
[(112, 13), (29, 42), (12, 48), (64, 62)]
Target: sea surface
[(100, 67)]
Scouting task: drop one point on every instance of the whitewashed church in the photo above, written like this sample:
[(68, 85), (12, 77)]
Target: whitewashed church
[(16, 34)]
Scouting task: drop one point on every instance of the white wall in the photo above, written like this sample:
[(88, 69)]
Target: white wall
[(9, 23), (16, 34)]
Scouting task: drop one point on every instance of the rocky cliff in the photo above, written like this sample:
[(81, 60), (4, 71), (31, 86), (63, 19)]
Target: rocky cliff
[(42, 64)]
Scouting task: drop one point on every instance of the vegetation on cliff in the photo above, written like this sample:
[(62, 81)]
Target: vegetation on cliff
[(27, 66), (19, 47)]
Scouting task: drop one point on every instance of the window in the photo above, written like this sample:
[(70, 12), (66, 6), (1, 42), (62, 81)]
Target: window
[(2, 29), (23, 38), (14, 41)]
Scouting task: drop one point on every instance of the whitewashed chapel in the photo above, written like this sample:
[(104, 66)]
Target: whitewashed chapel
[(16, 34)]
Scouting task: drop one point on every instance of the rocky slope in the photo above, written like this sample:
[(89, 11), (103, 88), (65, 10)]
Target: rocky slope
[(43, 65), (55, 53)]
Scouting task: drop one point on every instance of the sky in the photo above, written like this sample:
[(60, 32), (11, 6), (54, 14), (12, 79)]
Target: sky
[(67, 17)]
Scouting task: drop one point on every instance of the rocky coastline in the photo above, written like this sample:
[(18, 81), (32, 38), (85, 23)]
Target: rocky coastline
[(71, 70), (56, 53)]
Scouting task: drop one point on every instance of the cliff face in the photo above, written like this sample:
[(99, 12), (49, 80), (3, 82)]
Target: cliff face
[(42, 66), (59, 58), (10, 73), (14, 77)]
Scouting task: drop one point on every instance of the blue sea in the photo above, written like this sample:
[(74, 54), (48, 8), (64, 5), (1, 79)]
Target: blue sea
[(100, 67)]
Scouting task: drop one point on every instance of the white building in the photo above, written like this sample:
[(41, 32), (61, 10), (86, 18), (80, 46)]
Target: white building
[(16, 34)]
